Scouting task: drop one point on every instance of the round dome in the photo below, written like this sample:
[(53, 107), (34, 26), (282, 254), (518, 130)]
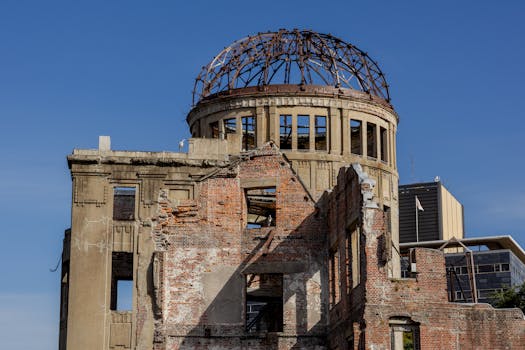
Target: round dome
[(299, 57)]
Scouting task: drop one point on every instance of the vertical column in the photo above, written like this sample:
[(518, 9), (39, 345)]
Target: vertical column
[(392, 145), (312, 132), (334, 137), (394, 148), (273, 120), (90, 264), (260, 126), (294, 132), (364, 138), (378, 142), (345, 132)]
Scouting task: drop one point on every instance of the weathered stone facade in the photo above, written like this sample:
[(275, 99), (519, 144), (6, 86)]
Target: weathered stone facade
[(261, 236), (192, 254)]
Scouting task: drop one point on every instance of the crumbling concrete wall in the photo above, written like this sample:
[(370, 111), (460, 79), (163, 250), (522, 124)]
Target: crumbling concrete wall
[(192, 253)]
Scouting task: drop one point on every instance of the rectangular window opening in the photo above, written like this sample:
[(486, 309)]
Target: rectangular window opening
[(485, 268), (405, 336), (371, 142), (261, 207), (124, 203), (384, 144), (248, 133), (320, 133), (214, 130), (230, 125), (356, 137), (121, 281), (285, 132), (303, 132), (264, 302)]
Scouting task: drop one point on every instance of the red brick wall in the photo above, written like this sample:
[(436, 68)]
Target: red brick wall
[(365, 313), (207, 235)]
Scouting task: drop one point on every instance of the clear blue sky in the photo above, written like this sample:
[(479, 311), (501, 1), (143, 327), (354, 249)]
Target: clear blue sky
[(73, 70)]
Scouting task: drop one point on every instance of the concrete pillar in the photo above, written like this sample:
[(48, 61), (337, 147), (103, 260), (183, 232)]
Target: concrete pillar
[(294, 132), (274, 124), (345, 132), (364, 137), (260, 126), (334, 136)]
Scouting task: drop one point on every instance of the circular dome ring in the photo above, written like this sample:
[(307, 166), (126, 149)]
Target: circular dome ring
[(291, 57)]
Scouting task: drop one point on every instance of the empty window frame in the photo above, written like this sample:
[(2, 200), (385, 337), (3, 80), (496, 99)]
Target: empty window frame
[(371, 140), (264, 302), (356, 141), (285, 132), (248, 133), (303, 132), (404, 334), (261, 207), (334, 278), (121, 281), (484, 268), (214, 130), (124, 203), (230, 125), (384, 144), (320, 133)]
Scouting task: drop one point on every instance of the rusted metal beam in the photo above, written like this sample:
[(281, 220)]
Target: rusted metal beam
[(297, 57)]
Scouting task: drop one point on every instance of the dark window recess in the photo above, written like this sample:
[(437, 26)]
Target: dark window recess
[(124, 203), (248, 133), (214, 129), (261, 207), (64, 292), (264, 302), (303, 132), (404, 334), (285, 132), (485, 268), (121, 281), (355, 137), (371, 142), (320, 133), (230, 125), (384, 144)]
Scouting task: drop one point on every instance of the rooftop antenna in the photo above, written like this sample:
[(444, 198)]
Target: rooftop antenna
[(412, 169)]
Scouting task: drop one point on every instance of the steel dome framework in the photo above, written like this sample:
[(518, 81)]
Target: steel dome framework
[(301, 57)]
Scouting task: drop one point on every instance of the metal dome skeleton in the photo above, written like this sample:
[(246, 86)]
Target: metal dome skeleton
[(291, 57)]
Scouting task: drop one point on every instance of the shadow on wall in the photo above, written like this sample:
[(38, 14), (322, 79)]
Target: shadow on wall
[(277, 294)]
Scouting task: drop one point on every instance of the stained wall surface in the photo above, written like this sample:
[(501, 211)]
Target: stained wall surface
[(368, 313)]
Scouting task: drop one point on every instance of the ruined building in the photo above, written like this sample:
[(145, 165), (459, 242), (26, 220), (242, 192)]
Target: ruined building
[(278, 229)]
